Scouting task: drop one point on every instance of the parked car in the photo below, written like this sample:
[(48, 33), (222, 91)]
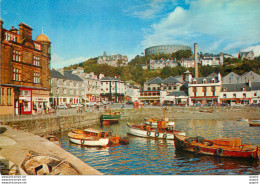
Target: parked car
[(73, 105), (90, 104), (62, 106), (238, 105), (129, 103), (105, 103), (197, 105), (224, 105)]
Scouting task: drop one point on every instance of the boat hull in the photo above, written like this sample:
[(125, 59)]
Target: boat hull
[(181, 144), (89, 141), (149, 134), (108, 119), (254, 123)]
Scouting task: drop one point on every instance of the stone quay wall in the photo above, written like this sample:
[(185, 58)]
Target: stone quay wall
[(65, 123)]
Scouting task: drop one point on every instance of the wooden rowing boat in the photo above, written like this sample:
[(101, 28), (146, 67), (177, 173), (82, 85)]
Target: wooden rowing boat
[(224, 147), (144, 130), (41, 164)]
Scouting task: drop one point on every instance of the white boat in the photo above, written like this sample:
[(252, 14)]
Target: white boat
[(89, 137), (148, 131), (255, 122), (87, 140), (243, 119)]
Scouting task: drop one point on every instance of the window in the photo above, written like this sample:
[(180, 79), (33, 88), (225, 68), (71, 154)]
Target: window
[(36, 78), (16, 55), (244, 95), (36, 61), (17, 74), (224, 95), (9, 96), (234, 95), (255, 94), (2, 91)]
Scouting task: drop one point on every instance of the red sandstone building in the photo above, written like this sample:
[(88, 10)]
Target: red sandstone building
[(24, 70)]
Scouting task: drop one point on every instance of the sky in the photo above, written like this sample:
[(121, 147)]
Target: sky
[(83, 29)]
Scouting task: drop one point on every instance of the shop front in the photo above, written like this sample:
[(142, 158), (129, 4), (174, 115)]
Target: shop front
[(25, 101)]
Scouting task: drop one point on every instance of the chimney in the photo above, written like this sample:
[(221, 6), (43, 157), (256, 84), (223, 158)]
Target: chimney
[(196, 61), (25, 32)]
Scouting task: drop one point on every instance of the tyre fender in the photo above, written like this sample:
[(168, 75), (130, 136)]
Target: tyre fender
[(219, 151), (82, 141), (148, 133)]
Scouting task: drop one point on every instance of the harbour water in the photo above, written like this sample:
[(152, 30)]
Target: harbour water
[(144, 156)]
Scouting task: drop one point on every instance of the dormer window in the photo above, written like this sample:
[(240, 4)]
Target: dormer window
[(194, 81), (224, 89), (213, 81), (204, 81)]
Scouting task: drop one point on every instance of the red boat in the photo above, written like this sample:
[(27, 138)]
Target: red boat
[(224, 147)]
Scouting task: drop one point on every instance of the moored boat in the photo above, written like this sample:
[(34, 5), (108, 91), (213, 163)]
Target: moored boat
[(52, 139), (89, 137), (243, 119), (109, 117), (224, 147), (254, 123), (144, 130), (41, 164)]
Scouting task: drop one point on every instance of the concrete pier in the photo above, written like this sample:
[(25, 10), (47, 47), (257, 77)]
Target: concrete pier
[(15, 144)]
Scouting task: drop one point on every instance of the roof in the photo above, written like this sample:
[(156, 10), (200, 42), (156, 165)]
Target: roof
[(67, 75), (177, 93), (170, 79), (42, 38), (208, 80), (110, 79), (235, 87), (156, 80), (255, 86)]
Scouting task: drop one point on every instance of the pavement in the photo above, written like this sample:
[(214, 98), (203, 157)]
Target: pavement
[(15, 144)]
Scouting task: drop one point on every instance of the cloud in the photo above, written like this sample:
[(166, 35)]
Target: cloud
[(223, 25), (150, 9), (59, 62), (256, 50)]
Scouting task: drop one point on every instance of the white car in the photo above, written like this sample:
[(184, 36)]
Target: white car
[(238, 105), (90, 104), (62, 106)]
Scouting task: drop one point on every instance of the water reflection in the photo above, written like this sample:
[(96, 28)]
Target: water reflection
[(158, 157)]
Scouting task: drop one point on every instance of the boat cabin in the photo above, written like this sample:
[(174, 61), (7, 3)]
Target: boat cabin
[(95, 133), (230, 142), (146, 127)]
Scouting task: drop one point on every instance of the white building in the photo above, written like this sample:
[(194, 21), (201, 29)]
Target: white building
[(159, 64), (132, 92), (211, 59), (112, 60), (112, 89)]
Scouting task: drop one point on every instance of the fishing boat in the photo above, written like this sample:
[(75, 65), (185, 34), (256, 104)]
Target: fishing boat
[(243, 119), (41, 164), (144, 130), (158, 122), (89, 137), (52, 139), (224, 147), (109, 117), (255, 122)]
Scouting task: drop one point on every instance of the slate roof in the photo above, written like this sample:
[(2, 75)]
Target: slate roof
[(235, 87), (170, 80), (255, 86), (67, 75), (156, 80), (177, 93), (110, 79), (208, 80)]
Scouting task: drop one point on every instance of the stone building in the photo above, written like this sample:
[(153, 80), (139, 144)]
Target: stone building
[(211, 59), (246, 55), (159, 64), (66, 88), (112, 60), (24, 70), (112, 89), (91, 82)]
